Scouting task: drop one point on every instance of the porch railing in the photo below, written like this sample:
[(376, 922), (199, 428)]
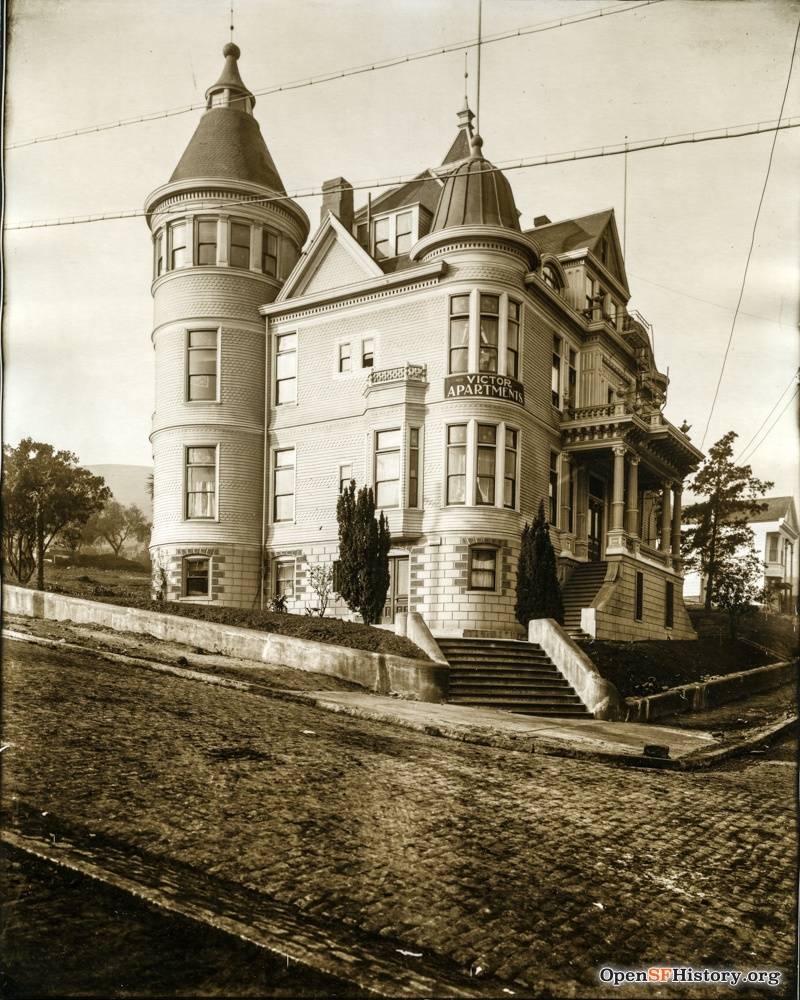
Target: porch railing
[(401, 373)]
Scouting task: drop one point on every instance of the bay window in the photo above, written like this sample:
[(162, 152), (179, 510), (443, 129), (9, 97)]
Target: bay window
[(239, 250), (413, 467), (484, 334), (489, 333), (206, 242), (486, 465), (510, 470), (457, 464), (482, 465), (512, 339), (459, 334)]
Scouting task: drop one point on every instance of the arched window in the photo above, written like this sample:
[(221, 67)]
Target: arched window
[(551, 278)]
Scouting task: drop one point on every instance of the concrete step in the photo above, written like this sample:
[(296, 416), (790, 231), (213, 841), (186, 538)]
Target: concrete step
[(501, 673), (534, 659), (495, 700)]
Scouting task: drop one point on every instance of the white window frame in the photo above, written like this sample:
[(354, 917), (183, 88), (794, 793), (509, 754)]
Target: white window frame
[(233, 221), (392, 219), (401, 458), (278, 563), (188, 230), (187, 352), (484, 548), (275, 353), (216, 449), (473, 341), (196, 557), (342, 482), (159, 238), (269, 231), (420, 464), (273, 470), (471, 469)]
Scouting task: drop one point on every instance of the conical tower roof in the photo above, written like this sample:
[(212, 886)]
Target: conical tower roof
[(227, 143), (475, 194)]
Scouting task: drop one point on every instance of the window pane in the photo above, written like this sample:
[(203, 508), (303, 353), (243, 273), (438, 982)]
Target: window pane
[(284, 459), (513, 336), (203, 338), (240, 257), (457, 461), (457, 434), (488, 359), (511, 439), (286, 391), (284, 481), (388, 439), (487, 434), (388, 494), (459, 359), (387, 465), (456, 489), (367, 353), (202, 456), (287, 342), (285, 365), (490, 304), (240, 235), (413, 437), (459, 331), (513, 311), (202, 387), (482, 569), (202, 362), (489, 330), (284, 508), (284, 582), (196, 577), (207, 253), (459, 304), (403, 224)]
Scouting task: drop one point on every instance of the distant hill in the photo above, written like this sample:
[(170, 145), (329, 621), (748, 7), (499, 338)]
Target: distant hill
[(128, 483)]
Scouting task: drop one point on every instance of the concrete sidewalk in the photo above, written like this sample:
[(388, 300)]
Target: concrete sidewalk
[(581, 736)]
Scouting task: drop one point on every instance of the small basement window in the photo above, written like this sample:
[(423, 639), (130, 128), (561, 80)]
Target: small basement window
[(482, 569), (196, 576)]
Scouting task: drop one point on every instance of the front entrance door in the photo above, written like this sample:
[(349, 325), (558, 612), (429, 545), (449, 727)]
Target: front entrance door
[(397, 594), (596, 508)]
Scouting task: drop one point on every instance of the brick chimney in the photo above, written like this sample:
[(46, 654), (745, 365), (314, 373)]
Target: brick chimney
[(541, 220), (337, 197)]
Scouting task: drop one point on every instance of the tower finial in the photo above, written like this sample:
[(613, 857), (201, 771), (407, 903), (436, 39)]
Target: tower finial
[(475, 145), (231, 20)]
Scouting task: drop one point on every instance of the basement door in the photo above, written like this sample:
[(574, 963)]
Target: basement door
[(397, 595)]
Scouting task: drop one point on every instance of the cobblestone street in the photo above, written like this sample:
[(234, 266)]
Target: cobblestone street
[(538, 869)]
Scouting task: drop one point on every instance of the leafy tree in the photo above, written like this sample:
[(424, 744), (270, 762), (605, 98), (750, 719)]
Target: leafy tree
[(116, 524), (538, 589), (739, 585), (364, 544), (44, 490), (716, 525)]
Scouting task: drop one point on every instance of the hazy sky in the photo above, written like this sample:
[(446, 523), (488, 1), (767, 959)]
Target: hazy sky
[(79, 370)]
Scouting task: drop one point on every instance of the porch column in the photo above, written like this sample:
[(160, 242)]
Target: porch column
[(632, 512), (677, 491), (566, 494), (618, 501), (666, 515)]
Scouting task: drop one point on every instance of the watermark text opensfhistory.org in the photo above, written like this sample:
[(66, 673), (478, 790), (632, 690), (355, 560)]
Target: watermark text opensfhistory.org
[(659, 974)]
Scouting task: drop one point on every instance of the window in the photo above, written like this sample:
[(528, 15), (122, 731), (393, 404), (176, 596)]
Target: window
[(639, 607), (457, 463), (286, 368), (555, 375), (367, 353), (284, 578), (553, 488), (510, 471), (413, 467), (512, 340), (201, 482), (283, 485), (345, 476), (403, 227), (611, 395), (345, 358), (459, 334), (550, 277), (387, 468), (159, 253), (239, 255), (177, 245), (362, 234), (196, 576), (202, 351), (772, 547), (572, 379), (486, 464), (611, 311), (489, 333), (669, 605), (482, 569), (381, 238), (206, 242), (269, 252)]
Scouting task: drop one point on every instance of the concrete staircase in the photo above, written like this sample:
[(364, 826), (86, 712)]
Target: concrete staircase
[(579, 592), (506, 674)]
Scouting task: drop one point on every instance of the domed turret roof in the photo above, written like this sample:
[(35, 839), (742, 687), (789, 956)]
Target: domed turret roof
[(227, 142), (476, 194)]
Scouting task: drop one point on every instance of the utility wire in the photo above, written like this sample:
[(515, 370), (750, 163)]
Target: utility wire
[(525, 163), (774, 423), (775, 406), (314, 81), (752, 240)]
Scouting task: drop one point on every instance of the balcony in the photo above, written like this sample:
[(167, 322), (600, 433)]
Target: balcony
[(402, 373), (402, 384)]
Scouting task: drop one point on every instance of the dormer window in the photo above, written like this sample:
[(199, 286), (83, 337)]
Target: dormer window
[(393, 235), (550, 277)]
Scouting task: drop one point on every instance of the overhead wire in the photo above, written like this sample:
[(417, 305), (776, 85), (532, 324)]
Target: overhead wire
[(752, 240), (524, 163), (775, 406), (774, 424), (315, 81)]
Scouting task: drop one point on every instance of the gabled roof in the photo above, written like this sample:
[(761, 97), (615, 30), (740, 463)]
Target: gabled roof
[(776, 508), (583, 233), (424, 188), (228, 144), (333, 259)]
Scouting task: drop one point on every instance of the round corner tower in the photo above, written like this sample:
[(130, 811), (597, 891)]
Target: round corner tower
[(225, 237)]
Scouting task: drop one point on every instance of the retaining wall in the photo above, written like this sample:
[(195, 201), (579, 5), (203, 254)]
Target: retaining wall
[(383, 673)]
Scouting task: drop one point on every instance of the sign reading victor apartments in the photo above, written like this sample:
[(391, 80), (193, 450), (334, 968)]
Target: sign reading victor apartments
[(485, 385)]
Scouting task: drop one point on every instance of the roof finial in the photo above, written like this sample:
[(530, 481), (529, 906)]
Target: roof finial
[(231, 20), (475, 144)]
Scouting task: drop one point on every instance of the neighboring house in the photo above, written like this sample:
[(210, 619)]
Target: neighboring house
[(428, 345), (775, 534)]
